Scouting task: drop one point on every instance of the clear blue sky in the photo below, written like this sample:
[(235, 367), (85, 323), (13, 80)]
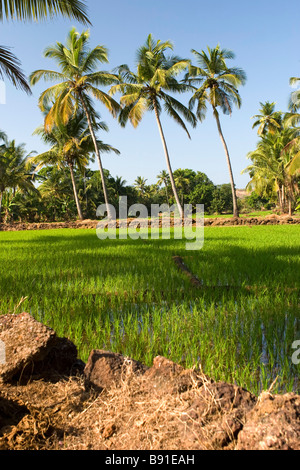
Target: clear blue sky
[(263, 34)]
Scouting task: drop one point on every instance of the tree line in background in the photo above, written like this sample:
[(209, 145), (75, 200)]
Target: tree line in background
[(71, 126), (50, 195)]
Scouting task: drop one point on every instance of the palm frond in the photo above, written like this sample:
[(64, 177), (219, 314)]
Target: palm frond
[(46, 75), (181, 108), (174, 115), (291, 119), (41, 9), (137, 111), (10, 67), (49, 96), (112, 105), (125, 75), (293, 166), (97, 55), (102, 78)]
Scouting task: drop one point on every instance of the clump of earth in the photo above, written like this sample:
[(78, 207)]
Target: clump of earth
[(51, 400), (272, 219)]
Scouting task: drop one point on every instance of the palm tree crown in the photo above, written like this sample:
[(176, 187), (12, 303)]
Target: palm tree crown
[(78, 78), (150, 86), (268, 120), (218, 82), (141, 185)]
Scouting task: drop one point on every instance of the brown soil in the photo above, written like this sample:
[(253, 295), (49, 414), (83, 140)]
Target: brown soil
[(92, 224), (160, 408)]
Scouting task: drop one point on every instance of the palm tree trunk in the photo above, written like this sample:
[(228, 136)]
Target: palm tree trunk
[(279, 198), (98, 156), (280, 195), (235, 206), (85, 193), (284, 199), (75, 192), (1, 197), (290, 194), (168, 160), (167, 193), (290, 207)]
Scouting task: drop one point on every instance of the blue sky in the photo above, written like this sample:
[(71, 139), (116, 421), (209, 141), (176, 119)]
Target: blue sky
[(263, 34)]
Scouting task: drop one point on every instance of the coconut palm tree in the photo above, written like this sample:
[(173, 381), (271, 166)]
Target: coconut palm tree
[(182, 182), (141, 185), (268, 120), (218, 88), (15, 173), (71, 146), (164, 179), (291, 158), (55, 189), (150, 87), (78, 81), (275, 164), (24, 10), (118, 186)]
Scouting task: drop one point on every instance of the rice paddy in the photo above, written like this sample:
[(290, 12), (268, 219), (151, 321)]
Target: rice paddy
[(128, 296)]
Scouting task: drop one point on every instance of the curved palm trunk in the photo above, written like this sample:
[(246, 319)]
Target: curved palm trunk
[(235, 206), (98, 156), (168, 161), (75, 192)]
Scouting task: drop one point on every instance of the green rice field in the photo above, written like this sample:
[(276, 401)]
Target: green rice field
[(129, 296)]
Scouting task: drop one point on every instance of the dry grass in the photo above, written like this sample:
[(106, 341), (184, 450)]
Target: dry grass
[(137, 415), (134, 414)]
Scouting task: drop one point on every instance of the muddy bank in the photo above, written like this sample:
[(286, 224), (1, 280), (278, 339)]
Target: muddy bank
[(92, 224)]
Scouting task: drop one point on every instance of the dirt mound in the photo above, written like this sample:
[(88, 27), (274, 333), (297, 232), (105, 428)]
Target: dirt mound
[(93, 224), (52, 401)]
